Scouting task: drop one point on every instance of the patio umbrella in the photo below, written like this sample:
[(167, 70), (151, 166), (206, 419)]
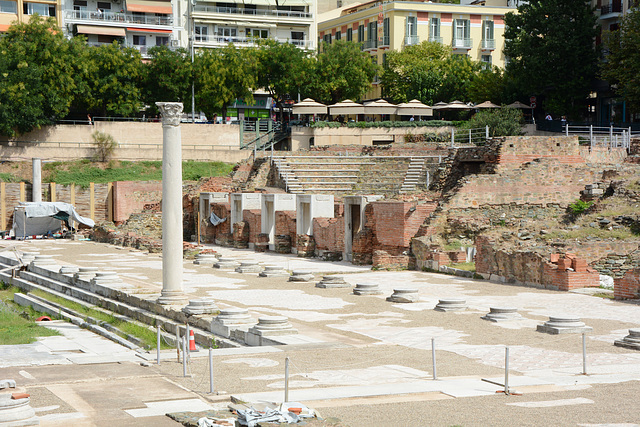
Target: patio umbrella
[(440, 105), (487, 104), (456, 105), (346, 107), (309, 106), (380, 107), (414, 108), (519, 105)]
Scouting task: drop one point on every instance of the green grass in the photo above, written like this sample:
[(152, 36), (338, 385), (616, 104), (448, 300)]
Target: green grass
[(466, 266), (17, 325), (83, 172), (9, 177)]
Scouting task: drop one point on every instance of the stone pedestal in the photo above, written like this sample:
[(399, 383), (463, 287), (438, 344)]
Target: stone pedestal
[(563, 324), (274, 271), (43, 260), (249, 267), (200, 306), (226, 264), (631, 341), (205, 259), (367, 289), (262, 242), (85, 273), (269, 326), (451, 304), (502, 314), (301, 276), (68, 269), (232, 322), (283, 244), (404, 295), (15, 411), (105, 278), (332, 282)]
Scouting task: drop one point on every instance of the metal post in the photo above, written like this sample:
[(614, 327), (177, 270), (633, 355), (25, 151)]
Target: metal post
[(506, 370), (566, 129), (184, 356), (584, 354), (428, 179), (187, 337), (486, 131), (211, 370), (433, 357), (591, 135), (469, 136), (178, 342), (158, 343), (286, 379), (611, 133), (453, 136)]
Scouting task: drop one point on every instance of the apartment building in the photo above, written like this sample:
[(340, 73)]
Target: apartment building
[(21, 10), (476, 30)]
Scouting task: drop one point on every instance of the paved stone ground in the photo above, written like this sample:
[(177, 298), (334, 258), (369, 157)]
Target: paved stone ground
[(369, 361)]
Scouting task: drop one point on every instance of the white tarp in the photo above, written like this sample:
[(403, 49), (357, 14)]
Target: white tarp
[(37, 218)]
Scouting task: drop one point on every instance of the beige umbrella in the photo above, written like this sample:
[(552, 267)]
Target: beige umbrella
[(456, 105), (346, 107), (380, 107), (309, 106), (440, 105), (519, 105), (414, 108), (487, 104)]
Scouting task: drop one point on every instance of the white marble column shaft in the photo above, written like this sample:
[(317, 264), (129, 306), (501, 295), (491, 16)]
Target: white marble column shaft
[(36, 174)]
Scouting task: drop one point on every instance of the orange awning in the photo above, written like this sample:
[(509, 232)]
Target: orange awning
[(149, 6), (147, 30), (101, 31), (4, 27)]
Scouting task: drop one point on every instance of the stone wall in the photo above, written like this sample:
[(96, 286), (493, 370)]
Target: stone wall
[(252, 218), (133, 196), (329, 237), (397, 222), (517, 150), (628, 286)]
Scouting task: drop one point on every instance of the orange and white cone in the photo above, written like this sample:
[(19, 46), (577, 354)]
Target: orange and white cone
[(192, 341)]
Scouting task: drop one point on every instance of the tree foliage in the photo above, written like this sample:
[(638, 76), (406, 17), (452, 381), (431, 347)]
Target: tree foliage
[(622, 65), (501, 122), (167, 77), (551, 51), (340, 71)]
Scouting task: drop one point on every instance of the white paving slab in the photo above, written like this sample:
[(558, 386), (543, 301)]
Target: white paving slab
[(553, 403), (167, 406)]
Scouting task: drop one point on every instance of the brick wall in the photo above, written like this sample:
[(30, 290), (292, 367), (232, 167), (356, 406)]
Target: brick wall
[(516, 150), (285, 224), (627, 287), (209, 233), (329, 234), (396, 223), (132, 196), (252, 217)]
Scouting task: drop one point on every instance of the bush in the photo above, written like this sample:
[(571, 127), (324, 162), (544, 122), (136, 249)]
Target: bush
[(501, 122), (104, 144), (579, 207), (385, 124)]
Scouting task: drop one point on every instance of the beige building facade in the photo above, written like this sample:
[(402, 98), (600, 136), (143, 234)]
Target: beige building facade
[(12, 11)]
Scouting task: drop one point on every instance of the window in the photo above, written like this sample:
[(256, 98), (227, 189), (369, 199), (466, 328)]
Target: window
[(374, 60), (39, 8), (162, 41), (411, 32), (139, 40), (385, 32), (434, 30), (104, 6), (9, 6), (250, 9), (258, 33), (461, 33), (297, 38), (227, 34), (349, 34), (487, 35), (80, 5), (384, 60), (327, 38), (338, 35), (486, 61), (360, 33), (372, 36), (202, 33), (106, 39)]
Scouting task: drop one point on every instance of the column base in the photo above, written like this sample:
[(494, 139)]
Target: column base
[(172, 298)]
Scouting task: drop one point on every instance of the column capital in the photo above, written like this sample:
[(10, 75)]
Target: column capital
[(171, 113)]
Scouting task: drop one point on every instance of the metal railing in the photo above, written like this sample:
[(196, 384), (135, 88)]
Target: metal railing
[(252, 12), (462, 43), (615, 6), (601, 136), (370, 44), (411, 40), (435, 39), (123, 17), (245, 41), (488, 44), (469, 137), (385, 41)]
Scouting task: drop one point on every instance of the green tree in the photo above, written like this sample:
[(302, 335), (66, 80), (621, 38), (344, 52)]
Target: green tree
[(39, 75), (114, 80), (281, 70), (489, 85), (340, 71), (167, 77), (501, 122), (622, 65), (551, 51), (459, 73), (221, 76)]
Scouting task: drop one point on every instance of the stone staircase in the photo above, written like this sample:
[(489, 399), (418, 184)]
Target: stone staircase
[(416, 175)]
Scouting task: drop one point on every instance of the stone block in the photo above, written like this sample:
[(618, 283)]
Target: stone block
[(301, 276), (563, 325), (249, 267), (226, 264), (332, 281), (206, 259), (631, 341), (451, 304), (200, 306)]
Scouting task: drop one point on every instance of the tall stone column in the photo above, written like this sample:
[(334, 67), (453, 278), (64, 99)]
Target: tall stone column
[(171, 204), (36, 174)]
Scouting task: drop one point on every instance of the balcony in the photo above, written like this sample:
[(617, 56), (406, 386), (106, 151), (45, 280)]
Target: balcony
[(435, 39), (218, 41), (462, 43), (488, 44), (116, 18), (411, 40), (370, 44), (385, 41), (252, 12), (614, 7)]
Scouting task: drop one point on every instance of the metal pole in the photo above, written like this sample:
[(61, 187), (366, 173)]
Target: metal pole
[(158, 343), (486, 131), (433, 357), (469, 136), (184, 356), (286, 379), (210, 370), (584, 354), (178, 342), (187, 337), (191, 35), (506, 370), (452, 136), (591, 135)]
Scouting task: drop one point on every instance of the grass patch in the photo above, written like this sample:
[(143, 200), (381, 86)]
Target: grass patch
[(583, 233), (9, 177), (604, 295), (83, 172), (17, 324), (453, 245), (466, 266)]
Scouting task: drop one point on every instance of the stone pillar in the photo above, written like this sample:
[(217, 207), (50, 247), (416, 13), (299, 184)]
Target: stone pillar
[(171, 204), (36, 173)]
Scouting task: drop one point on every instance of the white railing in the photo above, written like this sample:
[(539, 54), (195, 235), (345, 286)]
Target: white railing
[(252, 12), (462, 43), (117, 17), (244, 41), (601, 136), (488, 44), (466, 137), (411, 40)]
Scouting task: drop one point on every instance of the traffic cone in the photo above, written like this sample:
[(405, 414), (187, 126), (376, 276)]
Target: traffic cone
[(192, 341)]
